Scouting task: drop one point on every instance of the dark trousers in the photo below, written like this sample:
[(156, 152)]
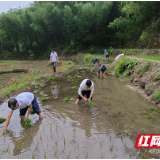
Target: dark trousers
[(87, 93)]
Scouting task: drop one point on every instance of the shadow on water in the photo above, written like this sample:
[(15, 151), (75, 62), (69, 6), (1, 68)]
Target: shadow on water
[(74, 131)]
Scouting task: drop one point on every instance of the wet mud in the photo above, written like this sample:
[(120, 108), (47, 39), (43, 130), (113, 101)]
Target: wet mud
[(107, 130)]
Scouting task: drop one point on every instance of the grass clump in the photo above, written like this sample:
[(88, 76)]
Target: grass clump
[(2, 120), (66, 99), (76, 76), (28, 123), (43, 99), (38, 85), (157, 95), (69, 77), (144, 68), (75, 88), (32, 111), (124, 66), (91, 104), (52, 79), (53, 87), (73, 80), (88, 58)]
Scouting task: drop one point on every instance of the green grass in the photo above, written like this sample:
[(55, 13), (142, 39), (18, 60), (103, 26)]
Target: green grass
[(53, 87), (66, 99), (156, 58), (2, 120), (43, 99), (6, 62), (28, 123)]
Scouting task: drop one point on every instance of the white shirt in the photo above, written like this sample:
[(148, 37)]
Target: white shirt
[(83, 87), (120, 55), (24, 99), (54, 56)]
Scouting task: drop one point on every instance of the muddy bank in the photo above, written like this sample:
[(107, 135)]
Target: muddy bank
[(144, 78)]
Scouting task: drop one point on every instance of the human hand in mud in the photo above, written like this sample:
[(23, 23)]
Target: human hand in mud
[(3, 131), (85, 99)]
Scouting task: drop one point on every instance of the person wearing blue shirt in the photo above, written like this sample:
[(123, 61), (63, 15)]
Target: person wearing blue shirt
[(102, 70), (96, 60)]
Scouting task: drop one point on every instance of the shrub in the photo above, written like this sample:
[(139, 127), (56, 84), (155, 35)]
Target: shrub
[(66, 99), (28, 123)]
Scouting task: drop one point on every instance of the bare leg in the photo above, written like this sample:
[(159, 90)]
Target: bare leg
[(77, 101), (100, 74), (22, 118), (41, 115)]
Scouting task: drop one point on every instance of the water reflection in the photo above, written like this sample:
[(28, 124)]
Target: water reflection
[(55, 91), (24, 142)]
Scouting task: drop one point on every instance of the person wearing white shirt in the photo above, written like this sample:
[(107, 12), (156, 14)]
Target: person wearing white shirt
[(119, 56), (86, 87), (53, 59), (23, 101)]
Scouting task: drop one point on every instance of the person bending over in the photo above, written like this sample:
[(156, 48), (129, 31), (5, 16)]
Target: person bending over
[(86, 88), (102, 70), (23, 101), (96, 60)]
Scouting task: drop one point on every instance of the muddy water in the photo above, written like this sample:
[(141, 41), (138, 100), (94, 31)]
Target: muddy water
[(75, 131)]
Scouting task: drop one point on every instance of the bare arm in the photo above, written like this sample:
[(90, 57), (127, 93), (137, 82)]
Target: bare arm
[(50, 59), (57, 59), (7, 122), (29, 110), (90, 96), (85, 99)]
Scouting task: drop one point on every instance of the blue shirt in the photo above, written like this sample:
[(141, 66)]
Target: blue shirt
[(96, 59), (101, 68)]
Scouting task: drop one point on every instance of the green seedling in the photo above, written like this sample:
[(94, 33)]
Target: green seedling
[(69, 77), (28, 123), (2, 120), (43, 99), (53, 87), (45, 154), (32, 111), (52, 79), (76, 76), (73, 80), (91, 104), (75, 88), (33, 155), (66, 99), (38, 85)]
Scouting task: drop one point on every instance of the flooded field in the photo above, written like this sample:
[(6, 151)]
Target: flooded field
[(107, 130)]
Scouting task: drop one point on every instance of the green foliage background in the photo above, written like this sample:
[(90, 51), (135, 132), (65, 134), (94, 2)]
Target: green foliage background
[(74, 25)]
